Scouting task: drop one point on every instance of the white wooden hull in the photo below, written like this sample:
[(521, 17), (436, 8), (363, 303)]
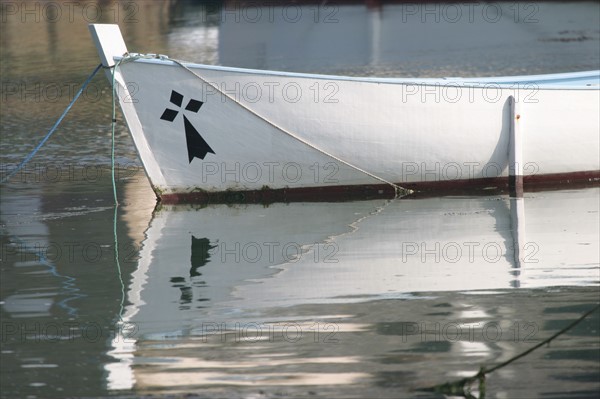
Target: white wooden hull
[(296, 131)]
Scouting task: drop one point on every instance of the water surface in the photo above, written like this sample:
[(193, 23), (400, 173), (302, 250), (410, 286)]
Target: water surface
[(357, 299)]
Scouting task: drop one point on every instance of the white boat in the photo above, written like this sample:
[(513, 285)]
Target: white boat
[(208, 132)]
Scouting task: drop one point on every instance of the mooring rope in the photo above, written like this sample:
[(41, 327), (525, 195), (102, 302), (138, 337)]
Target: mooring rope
[(460, 385), (45, 139), (544, 342), (400, 191), (53, 129), (118, 264), (114, 182), (69, 284)]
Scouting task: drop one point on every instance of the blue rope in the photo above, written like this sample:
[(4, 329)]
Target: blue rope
[(114, 186), (127, 58), (113, 124), (118, 264), (36, 149), (69, 284)]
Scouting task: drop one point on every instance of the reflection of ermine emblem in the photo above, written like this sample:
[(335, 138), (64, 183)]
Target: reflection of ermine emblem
[(196, 146)]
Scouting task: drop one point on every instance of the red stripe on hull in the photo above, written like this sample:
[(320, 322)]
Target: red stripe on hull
[(484, 186)]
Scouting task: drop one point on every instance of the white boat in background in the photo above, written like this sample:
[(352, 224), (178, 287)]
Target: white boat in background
[(219, 133)]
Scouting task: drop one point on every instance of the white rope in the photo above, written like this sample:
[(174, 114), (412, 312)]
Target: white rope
[(399, 191)]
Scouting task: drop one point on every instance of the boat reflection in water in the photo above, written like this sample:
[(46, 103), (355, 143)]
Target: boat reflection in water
[(307, 293)]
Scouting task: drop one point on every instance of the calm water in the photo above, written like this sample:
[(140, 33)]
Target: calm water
[(358, 299)]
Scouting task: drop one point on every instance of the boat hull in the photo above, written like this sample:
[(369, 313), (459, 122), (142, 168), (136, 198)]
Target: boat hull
[(204, 130)]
